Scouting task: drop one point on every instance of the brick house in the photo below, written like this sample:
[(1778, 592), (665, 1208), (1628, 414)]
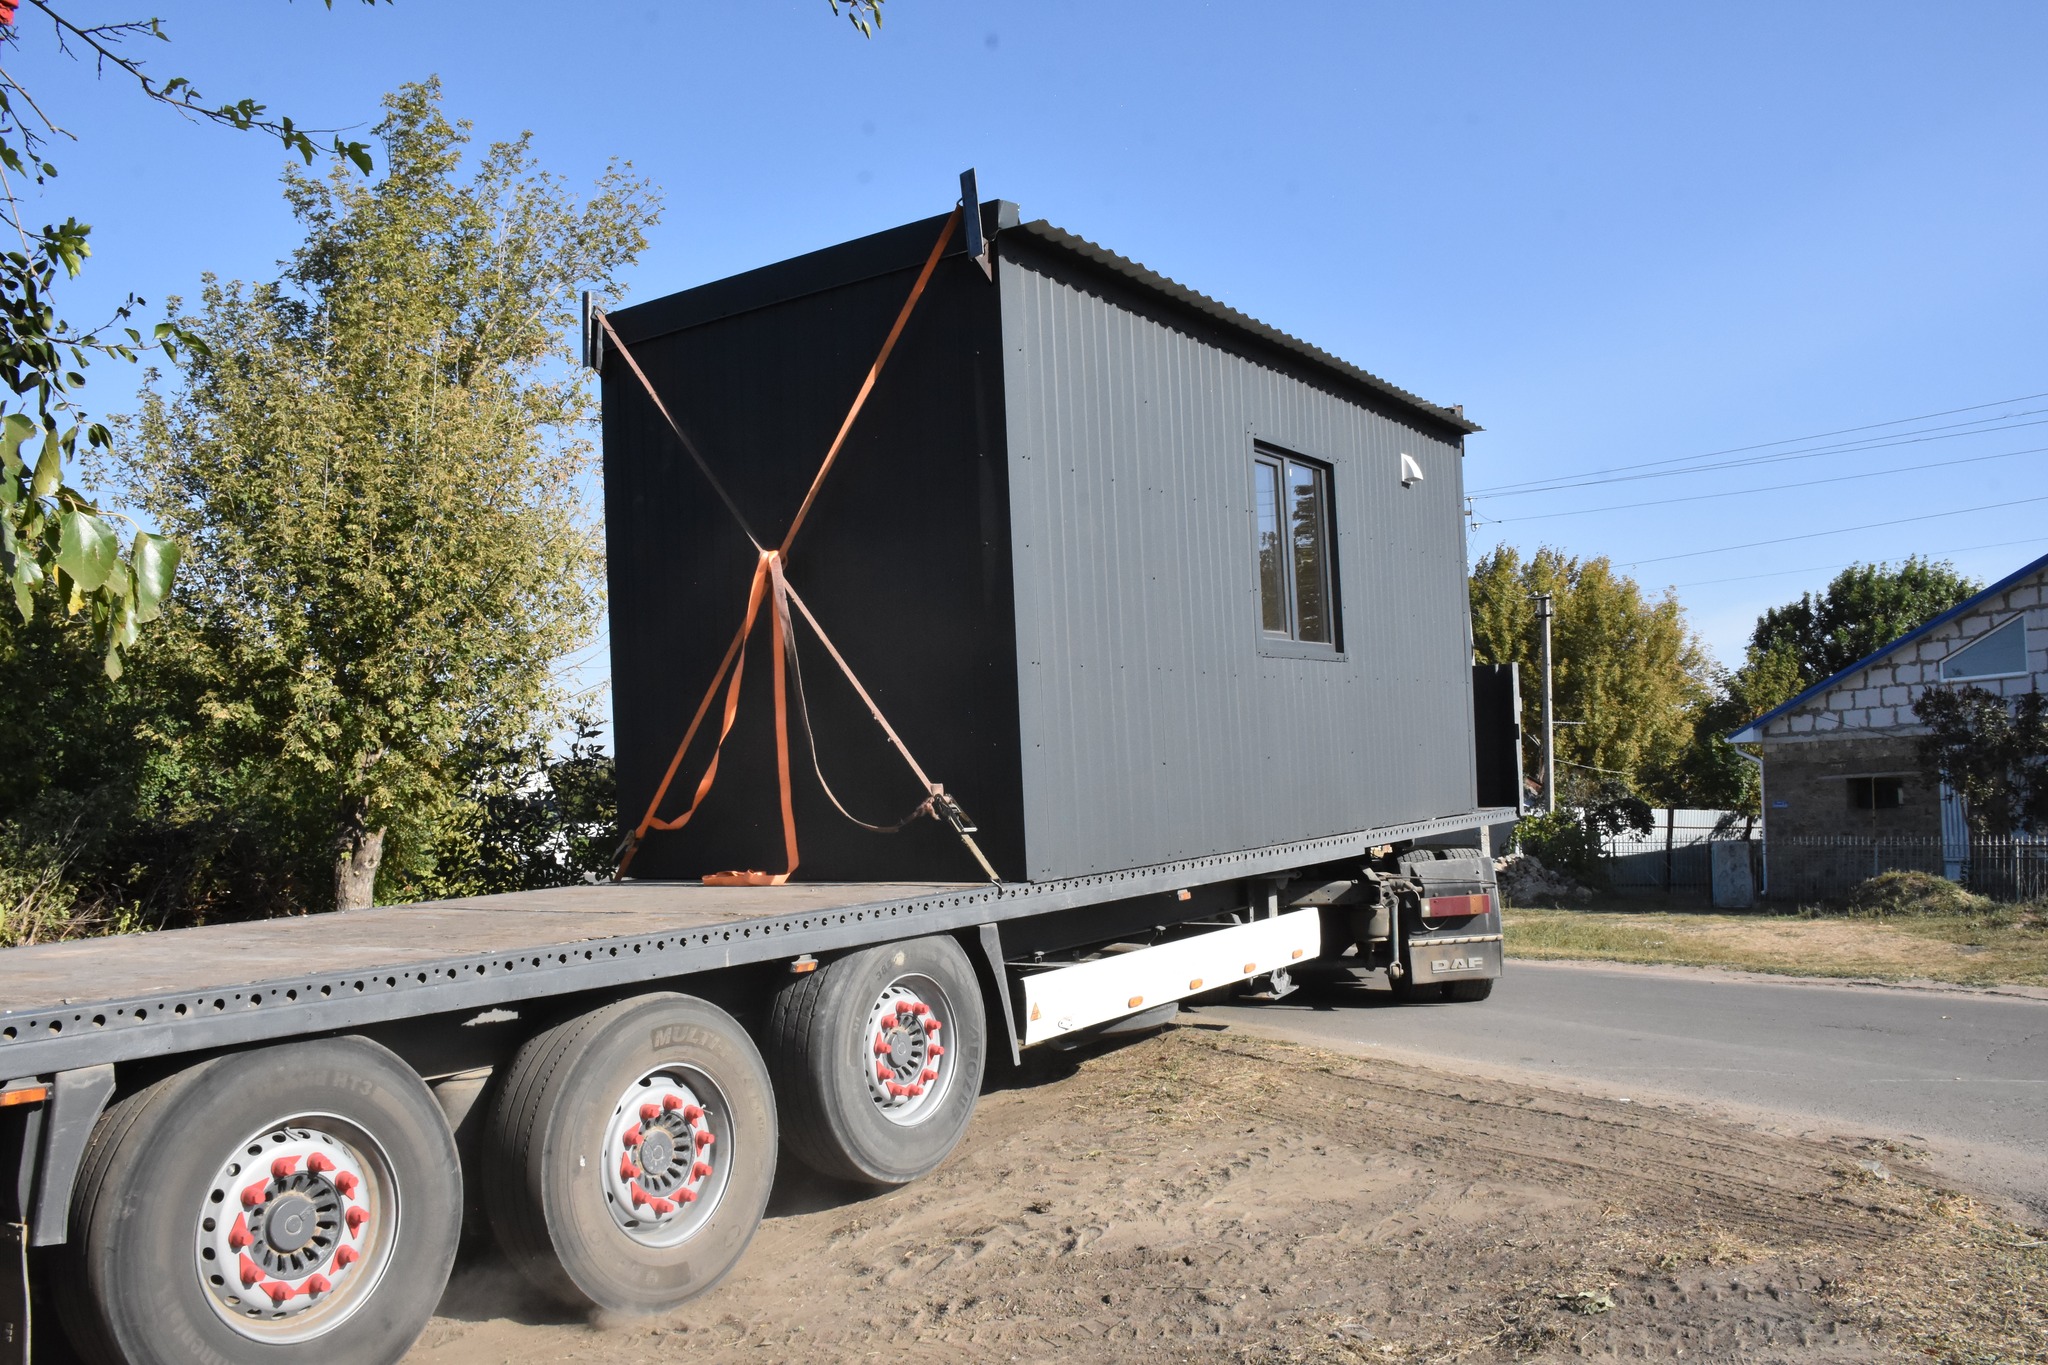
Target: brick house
[(1838, 759)]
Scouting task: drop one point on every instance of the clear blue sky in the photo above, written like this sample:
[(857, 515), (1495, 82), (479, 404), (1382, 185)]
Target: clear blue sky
[(1616, 233)]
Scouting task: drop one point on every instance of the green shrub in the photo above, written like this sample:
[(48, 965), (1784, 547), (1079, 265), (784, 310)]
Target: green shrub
[(1914, 893), (1561, 842), (40, 902)]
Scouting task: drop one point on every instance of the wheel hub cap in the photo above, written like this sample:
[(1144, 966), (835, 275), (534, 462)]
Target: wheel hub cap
[(289, 1230), (907, 1066), (288, 1222), (666, 1154)]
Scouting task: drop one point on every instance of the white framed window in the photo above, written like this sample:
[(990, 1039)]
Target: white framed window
[(1998, 653)]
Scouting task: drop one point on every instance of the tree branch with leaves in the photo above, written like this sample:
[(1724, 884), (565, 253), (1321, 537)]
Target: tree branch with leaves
[(1990, 750), (56, 540)]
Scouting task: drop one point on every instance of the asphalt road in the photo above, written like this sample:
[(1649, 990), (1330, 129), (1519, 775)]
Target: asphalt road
[(1964, 1075)]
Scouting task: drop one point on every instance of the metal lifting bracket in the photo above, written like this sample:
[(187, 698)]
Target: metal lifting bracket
[(970, 215), (593, 332)]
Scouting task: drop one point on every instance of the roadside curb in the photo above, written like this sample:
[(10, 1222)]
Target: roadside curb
[(1923, 984)]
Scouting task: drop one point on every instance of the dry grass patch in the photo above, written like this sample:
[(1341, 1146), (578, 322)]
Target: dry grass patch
[(2001, 945)]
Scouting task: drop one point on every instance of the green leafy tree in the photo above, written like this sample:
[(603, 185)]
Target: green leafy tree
[(56, 541), (535, 817), (1991, 751), (376, 464), (1629, 675), (1866, 607), (1712, 774)]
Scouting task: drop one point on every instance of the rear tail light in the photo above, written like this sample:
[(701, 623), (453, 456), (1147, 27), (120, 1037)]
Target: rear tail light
[(1456, 907)]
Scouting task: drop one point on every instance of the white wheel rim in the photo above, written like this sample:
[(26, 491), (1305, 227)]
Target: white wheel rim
[(909, 1068), (667, 1155), (296, 1228)]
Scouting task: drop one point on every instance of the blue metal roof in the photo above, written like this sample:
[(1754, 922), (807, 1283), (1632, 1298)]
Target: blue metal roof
[(1754, 730)]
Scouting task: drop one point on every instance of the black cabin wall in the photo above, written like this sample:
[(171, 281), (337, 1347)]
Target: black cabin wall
[(905, 560)]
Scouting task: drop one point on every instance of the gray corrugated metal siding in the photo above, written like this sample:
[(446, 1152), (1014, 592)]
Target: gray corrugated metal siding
[(1153, 727)]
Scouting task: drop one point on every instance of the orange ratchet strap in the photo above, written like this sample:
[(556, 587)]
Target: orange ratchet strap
[(768, 580)]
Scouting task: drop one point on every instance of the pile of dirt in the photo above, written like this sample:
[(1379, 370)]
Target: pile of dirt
[(1210, 1196), (1524, 880)]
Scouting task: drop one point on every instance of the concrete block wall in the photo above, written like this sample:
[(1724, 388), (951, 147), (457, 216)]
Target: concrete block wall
[(1811, 780)]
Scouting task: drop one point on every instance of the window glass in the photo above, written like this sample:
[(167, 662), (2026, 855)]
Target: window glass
[(1296, 545), (1311, 553), (2000, 654), (1877, 793), (1272, 589)]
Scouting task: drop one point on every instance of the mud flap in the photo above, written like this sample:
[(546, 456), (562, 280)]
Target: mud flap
[(1438, 962), (13, 1294)]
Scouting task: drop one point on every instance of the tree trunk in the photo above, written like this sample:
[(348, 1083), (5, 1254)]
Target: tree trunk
[(360, 852)]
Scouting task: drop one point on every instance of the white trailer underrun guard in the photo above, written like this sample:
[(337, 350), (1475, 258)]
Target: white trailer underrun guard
[(1065, 1000)]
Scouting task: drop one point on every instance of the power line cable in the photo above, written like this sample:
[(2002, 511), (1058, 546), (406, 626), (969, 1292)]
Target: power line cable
[(1836, 568), (1788, 440), (1767, 488), (1838, 531), (1846, 448)]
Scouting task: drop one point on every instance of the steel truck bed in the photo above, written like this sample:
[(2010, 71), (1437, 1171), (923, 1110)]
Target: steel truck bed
[(70, 1005)]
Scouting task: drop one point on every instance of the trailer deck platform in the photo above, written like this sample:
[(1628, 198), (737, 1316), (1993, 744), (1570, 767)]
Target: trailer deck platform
[(92, 1001)]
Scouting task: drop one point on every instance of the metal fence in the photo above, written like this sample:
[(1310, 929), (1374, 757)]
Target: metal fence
[(1828, 868), (1675, 857)]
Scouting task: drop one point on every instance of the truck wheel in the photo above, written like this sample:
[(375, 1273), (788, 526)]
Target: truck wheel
[(629, 1154), (1468, 990), (878, 1058), (297, 1202)]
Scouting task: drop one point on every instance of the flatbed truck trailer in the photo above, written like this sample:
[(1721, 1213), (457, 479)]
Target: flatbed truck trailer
[(245, 1141), (1174, 603)]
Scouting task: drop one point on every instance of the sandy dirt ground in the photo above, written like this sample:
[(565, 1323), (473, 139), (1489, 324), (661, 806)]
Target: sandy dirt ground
[(1208, 1195)]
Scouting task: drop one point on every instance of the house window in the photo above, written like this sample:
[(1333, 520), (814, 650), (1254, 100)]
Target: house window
[(2001, 653), (1877, 793), (1296, 545)]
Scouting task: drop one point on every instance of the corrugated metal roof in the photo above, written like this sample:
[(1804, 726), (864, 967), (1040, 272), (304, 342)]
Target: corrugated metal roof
[(1753, 732), (1230, 317)]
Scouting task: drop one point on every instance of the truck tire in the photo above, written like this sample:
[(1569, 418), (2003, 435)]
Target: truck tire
[(298, 1202), (630, 1152), (878, 1058), (1468, 990)]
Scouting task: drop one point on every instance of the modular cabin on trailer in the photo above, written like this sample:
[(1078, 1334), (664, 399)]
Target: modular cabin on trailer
[(1174, 605), (1136, 577)]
